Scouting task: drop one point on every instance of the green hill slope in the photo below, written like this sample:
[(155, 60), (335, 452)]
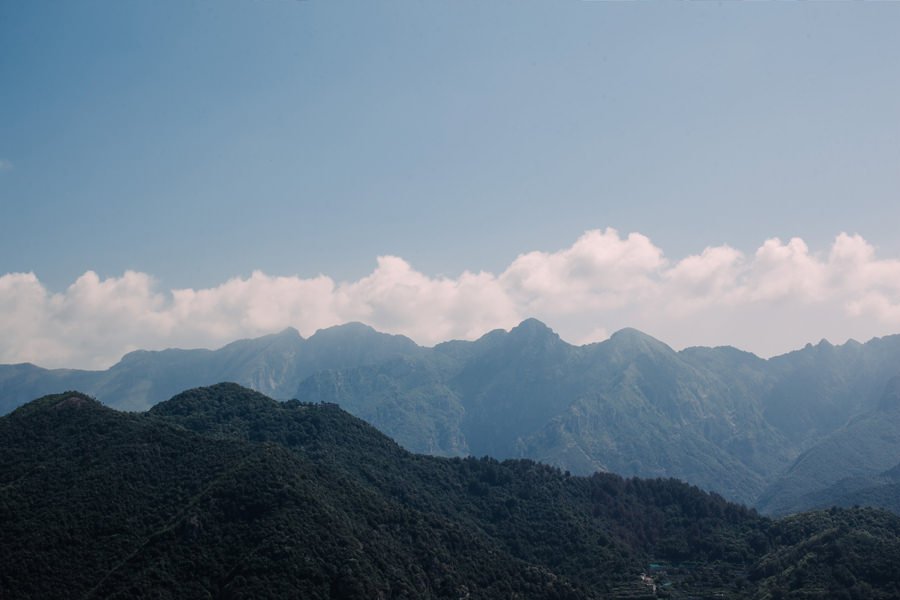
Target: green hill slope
[(223, 492)]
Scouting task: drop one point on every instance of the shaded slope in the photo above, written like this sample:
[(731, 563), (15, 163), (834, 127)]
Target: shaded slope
[(816, 390), (650, 412), (880, 491), (832, 554), (223, 492), (512, 384), (408, 398), (864, 448), (101, 504)]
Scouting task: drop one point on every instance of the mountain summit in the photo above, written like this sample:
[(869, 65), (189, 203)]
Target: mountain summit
[(531, 329)]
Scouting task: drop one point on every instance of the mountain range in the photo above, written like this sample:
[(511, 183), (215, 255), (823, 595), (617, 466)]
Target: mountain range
[(810, 428), (222, 492)]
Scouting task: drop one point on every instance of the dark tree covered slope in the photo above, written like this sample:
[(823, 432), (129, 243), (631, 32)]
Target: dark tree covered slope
[(222, 492)]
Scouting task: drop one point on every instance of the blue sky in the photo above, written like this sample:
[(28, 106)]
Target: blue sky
[(199, 141)]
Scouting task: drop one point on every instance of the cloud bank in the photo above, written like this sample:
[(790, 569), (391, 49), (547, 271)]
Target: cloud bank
[(776, 299)]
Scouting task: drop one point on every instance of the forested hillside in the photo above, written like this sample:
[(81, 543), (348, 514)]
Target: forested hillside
[(224, 492)]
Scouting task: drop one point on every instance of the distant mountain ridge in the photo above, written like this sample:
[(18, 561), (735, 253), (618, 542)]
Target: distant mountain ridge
[(720, 418), (272, 364)]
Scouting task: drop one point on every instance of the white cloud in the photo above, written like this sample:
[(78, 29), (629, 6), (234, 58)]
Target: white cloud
[(5, 165), (711, 277), (785, 271), (601, 271), (770, 301)]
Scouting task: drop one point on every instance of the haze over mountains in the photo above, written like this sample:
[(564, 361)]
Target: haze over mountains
[(809, 428)]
